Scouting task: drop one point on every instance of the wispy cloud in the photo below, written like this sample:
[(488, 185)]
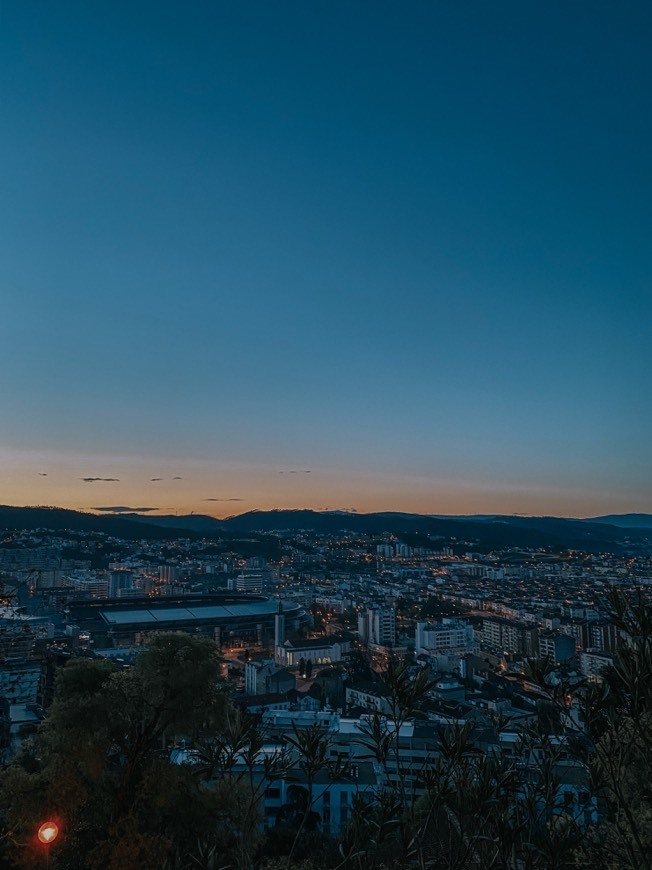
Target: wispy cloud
[(42, 473), (124, 509), (100, 479), (177, 478), (223, 499), (153, 479), (297, 471)]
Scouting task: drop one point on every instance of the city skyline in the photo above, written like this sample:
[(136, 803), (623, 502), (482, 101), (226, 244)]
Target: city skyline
[(284, 256)]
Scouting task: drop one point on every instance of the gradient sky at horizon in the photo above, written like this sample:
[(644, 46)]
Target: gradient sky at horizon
[(404, 247)]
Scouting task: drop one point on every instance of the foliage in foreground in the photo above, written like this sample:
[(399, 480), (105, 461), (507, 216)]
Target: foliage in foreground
[(98, 763)]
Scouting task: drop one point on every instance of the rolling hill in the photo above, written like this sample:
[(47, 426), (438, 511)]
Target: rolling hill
[(482, 533)]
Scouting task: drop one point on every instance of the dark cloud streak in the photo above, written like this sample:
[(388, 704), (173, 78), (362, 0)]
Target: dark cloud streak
[(100, 479)]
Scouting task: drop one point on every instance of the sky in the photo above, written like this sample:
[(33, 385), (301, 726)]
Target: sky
[(343, 255)]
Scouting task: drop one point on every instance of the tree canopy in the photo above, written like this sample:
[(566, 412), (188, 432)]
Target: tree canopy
[(99, 763)]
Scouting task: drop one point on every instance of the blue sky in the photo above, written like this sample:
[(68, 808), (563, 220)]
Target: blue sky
[(404, 246)]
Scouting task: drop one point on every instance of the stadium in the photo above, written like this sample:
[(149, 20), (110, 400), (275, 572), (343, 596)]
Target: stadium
[(232, 620)]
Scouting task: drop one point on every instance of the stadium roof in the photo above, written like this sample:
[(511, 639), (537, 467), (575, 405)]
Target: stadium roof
[(159, 613)]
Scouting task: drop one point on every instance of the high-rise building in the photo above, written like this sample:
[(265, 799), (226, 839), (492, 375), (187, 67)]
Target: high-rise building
[(509, 636), (247, 582), (603, 636), (593, 664), (578, 629), (90, 585), (557, 647), (449, 636), (377, 626), (119, 580), (169, 573)]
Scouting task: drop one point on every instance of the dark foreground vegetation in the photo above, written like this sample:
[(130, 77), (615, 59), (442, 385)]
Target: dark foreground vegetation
[(102, 765)]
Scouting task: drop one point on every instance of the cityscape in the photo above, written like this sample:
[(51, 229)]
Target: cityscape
[(325, 480), (319, 633)]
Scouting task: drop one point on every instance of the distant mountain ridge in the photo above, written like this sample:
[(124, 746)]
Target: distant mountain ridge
[(490, 532), (482, 532), (62, 519), (194, 522), (624, 521)]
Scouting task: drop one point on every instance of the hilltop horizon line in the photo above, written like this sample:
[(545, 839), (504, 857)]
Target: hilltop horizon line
[(125, 511)]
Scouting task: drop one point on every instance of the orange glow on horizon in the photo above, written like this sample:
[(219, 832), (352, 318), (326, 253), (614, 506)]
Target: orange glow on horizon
[(167, 486)]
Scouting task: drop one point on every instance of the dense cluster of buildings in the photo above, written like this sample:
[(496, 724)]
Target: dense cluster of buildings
[(305, 637)]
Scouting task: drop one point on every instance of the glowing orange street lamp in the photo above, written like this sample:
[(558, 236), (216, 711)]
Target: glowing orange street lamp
[(48, 833)]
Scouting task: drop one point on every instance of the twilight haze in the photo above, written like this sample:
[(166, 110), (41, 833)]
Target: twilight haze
[(345, 255)]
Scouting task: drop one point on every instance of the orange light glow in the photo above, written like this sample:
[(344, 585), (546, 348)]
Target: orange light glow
[(48, 833)]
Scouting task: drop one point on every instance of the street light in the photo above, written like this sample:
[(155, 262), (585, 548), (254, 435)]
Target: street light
[(47, 834)]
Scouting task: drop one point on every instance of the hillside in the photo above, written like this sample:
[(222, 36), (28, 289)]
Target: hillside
[(483, 533), (60, 519), (200, 523), (625, 521)]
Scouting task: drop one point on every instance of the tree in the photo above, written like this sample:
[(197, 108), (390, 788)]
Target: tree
[(393, 816), (312, 747), (241, 765), (100, 761), (618, 718)]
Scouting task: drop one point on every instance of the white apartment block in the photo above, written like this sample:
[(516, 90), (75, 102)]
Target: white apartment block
[(377, 626), (593, 663), (447, 637)]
